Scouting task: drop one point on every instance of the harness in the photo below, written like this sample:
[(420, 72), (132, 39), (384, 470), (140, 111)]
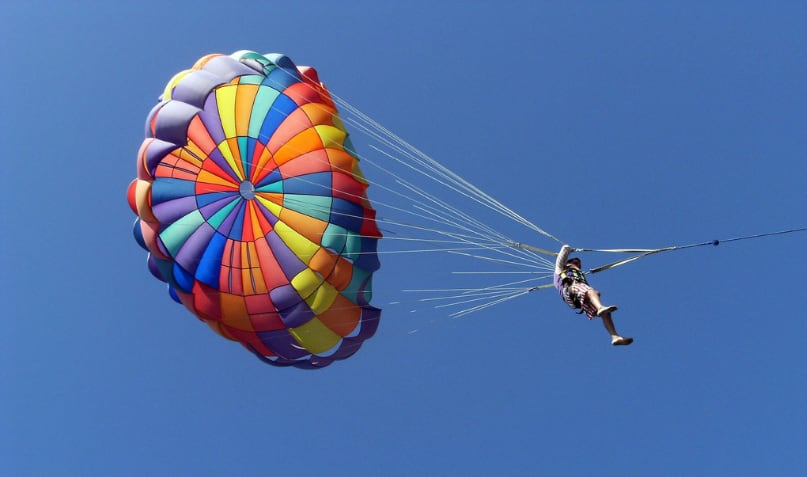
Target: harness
[(568, 277)]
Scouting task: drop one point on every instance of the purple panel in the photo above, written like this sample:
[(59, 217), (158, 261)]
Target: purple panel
[(289, 262), (370, 318), (282, 343), (227, 68), (156, 151), (216, 156), (227, 226), (154, 268), (211, 120), (210, 209), (191, 252), (347, 348), (317, 362), (194, 88), (150, 116), (173, 120), (253, 64), (168, 212), (267, 214), (293, 310)]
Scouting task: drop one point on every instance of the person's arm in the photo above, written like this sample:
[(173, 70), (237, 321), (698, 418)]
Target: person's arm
[(563, 255)]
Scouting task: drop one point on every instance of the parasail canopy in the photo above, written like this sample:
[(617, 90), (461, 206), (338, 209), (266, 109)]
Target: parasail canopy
[(253, 209)]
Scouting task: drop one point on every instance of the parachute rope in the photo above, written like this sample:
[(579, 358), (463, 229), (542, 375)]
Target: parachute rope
[(413, 215), (646, 252)]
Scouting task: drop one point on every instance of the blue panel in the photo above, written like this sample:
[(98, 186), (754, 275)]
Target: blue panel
[(210, 197), (282, 78), (273, 177), (165, 189), (320, 183), (173, 294), (368, 260), (248, 158), (138, 235), (182, 279), (281, 60), (209, 267), (281, 109), (347, 214), (238, 223)]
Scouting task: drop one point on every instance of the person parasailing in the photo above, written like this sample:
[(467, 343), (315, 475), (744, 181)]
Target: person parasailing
[(571, 283)]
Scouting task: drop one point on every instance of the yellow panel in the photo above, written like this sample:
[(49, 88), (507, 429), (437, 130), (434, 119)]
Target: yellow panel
[(331, 136), (271, 201), (172, 83), (191, 153), (301, 246), (143, 201), (315, 336), (322, 299), (306, 282), (225, 99), (224, 148)]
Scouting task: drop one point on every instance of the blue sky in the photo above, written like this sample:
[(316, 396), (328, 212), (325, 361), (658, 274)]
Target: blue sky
[(677, 123)]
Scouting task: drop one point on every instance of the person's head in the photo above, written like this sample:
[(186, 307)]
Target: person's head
[(574, 262)]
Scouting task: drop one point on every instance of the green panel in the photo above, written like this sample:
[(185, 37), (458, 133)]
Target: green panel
[(315, 206), (175, 235), (334, 238), (218, 218), (263, 103)]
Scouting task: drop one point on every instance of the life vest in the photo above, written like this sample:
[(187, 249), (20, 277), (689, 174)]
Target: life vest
[(572, 275), (568, 276)]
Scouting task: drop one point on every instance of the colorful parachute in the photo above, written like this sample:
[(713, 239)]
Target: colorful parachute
[(253, 209)]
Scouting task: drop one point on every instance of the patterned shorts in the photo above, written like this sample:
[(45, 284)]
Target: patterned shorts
[(576, 295)]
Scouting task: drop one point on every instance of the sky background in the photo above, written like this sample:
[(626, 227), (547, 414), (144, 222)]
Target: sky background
[(681, 122)]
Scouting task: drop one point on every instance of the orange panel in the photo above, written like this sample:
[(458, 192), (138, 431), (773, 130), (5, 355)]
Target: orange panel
[(264, 165), (342, 317), (336, 270), (308, 227), (235, 151), (244, 100), (294, 124), (320, 113), (341, 160), (234, 312), (306, 141)]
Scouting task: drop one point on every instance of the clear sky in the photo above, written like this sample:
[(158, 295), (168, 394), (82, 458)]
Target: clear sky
[(608, 124)]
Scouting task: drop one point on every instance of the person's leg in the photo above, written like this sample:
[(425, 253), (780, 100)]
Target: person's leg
[(616, 338), (594, 297)]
